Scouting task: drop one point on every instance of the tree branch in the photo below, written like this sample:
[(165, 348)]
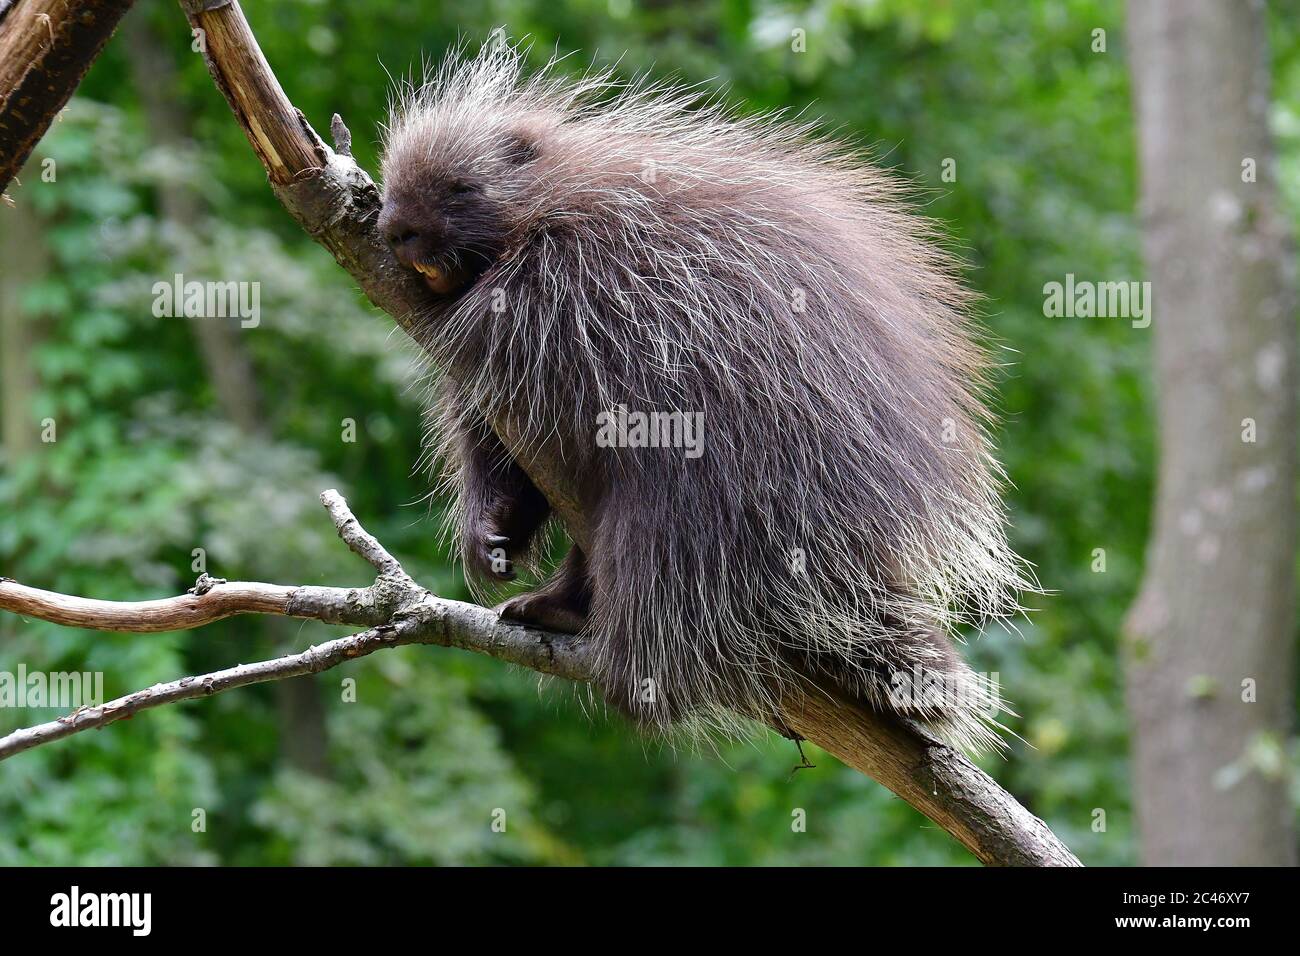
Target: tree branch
[(360, 541), (396, 610), (46, 47), (337, 203)]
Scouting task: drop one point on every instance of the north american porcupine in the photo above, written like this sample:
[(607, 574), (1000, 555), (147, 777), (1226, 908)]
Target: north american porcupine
[(591, 247)]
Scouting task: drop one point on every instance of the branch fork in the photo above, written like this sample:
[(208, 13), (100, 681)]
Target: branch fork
[(395, 611)]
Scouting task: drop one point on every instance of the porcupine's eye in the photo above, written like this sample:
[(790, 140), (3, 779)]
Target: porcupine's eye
[(462, 188)]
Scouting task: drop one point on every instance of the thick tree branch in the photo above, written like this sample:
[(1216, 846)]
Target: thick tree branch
[(337, 203), (46, 47)]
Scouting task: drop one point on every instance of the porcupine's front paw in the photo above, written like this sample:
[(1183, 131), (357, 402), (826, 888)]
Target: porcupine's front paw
[(488, 553), (543, 609)]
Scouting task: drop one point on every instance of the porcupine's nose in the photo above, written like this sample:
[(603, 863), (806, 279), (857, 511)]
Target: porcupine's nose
[(402, 237), (401, 240)]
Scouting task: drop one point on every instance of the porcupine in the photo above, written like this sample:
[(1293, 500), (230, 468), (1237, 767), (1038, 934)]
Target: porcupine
[(591, 246)]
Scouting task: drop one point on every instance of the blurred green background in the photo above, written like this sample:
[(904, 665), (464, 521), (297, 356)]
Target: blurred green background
[(153, 461)]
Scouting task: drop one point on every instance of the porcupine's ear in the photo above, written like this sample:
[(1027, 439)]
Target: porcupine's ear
[(520, 148)]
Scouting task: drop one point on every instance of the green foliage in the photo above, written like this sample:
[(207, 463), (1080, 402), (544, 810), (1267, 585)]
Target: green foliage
[(148, 465), (419, 778)]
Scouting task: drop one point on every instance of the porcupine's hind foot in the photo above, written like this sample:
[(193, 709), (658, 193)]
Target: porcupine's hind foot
[(561, 604)]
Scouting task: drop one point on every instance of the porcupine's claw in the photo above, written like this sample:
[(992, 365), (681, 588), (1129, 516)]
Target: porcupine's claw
[(496, 558)]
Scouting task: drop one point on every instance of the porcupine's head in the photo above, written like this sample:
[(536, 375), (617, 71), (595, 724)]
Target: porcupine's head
[(456, 173)]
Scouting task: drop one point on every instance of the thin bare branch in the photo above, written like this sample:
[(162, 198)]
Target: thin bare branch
[(310, 661), (361, 541), (170, 614), (395, 608), (355, 606), (445, 623)]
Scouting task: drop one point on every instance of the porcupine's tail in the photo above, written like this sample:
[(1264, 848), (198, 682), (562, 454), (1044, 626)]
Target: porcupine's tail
[(917, 673)]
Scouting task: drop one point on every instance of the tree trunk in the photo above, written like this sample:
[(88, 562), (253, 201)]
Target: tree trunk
[(1209, 640)]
